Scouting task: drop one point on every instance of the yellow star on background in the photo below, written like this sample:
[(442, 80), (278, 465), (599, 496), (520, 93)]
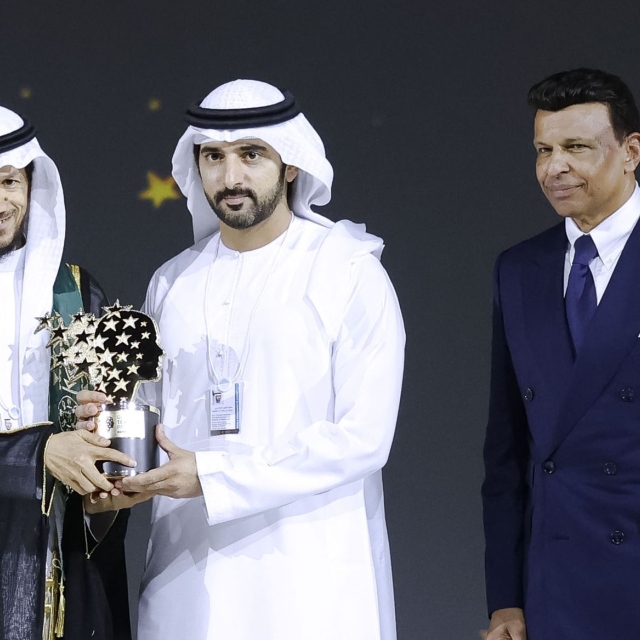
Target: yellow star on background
[(25, 93), (159, 189), (154, 104)]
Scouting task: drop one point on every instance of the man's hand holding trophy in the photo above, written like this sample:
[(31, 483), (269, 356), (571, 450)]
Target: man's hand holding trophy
[(110, 355)]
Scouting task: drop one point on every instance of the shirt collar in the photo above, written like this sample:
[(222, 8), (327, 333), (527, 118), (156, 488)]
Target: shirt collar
[(611, 234)]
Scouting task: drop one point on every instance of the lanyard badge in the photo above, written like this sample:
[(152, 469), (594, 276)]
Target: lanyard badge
[(225, 404)]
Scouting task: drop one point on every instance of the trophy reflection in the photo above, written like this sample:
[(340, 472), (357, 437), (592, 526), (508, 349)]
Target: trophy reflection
[(127, 353)]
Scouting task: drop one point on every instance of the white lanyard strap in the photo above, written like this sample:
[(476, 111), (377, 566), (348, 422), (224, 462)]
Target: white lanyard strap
[(224, 383)]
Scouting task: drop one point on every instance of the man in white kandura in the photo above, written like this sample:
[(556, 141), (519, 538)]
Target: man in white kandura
[(284, 354), (43, 573)]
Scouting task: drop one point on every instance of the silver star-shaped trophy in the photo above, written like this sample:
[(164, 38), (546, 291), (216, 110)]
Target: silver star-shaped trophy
[(112, 354)]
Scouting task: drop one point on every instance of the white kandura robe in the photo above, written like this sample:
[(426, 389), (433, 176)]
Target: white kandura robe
[(11, 274), (289, 541)]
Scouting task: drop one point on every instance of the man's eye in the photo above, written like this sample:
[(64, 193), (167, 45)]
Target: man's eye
[(9, 182), (543, 150), (251, 155)]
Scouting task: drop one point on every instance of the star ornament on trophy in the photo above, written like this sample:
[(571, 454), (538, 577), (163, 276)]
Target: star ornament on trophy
[(112, 354)]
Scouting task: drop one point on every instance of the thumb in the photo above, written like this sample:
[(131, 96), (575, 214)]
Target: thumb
[(165, 444), (92, 438)]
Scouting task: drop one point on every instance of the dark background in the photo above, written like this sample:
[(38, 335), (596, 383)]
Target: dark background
[(422, 109)]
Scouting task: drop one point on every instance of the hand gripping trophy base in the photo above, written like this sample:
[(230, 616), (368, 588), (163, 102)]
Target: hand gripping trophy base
[(131, 429)]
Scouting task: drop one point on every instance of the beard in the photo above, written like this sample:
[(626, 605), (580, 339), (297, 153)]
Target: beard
[(246, 215), (17, 242)]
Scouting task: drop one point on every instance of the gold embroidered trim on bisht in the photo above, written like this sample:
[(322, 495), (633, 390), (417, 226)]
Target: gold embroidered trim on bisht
[(5, 432), (75, 272)]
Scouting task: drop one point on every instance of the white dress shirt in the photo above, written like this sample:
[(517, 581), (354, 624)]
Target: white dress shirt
[(610, 237)]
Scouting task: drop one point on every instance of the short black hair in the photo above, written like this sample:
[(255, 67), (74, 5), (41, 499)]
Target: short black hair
[(581, 86)]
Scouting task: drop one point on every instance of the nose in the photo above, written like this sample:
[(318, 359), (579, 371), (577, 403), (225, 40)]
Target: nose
[(557, 162), (232, 172)]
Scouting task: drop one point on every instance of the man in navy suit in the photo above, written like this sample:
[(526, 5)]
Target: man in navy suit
[(562, 452)]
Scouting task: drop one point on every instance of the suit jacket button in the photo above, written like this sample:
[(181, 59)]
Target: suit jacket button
[(617, 537), (627, 394), (528, 394), (549, 466), (611, 468)]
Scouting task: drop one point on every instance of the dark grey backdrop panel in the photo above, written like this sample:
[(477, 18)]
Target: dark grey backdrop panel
[(422, 109)]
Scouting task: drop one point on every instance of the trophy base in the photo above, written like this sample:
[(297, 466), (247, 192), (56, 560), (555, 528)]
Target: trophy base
[(131, 429)]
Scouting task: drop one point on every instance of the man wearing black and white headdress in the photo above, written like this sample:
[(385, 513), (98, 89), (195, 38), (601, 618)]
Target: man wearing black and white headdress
[(35, 535), (283, 364)]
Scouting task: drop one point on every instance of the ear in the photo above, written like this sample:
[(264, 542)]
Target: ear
[(632, 148), (291, 172)]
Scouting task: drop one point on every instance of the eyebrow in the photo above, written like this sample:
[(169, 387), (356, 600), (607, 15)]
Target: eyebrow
[(244, 147), (567, 141), (208, 147), (252, 147)]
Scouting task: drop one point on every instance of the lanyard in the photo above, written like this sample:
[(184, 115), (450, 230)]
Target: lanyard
[(225, 381)]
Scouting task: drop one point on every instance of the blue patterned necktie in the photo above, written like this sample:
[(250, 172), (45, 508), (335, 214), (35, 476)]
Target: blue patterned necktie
[(580, 298)]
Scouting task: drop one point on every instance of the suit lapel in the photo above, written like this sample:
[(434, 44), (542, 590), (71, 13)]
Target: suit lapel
[(547, 330), (611, 335)]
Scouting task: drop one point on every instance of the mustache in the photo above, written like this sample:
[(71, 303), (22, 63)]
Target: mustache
[(230, 193)]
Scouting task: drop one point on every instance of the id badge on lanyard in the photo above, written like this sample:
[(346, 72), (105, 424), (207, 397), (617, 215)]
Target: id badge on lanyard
[(225, 408), (225, 399)]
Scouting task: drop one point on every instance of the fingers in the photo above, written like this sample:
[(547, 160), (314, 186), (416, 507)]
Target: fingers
[(507, 624), (71, 458), (177, 479), (114, 503), (504, 632), (86, 411), (102, 495), (136, 498), (88, 407), (96, 481), (166, 444), (105, 453), (113, 455), (86, 395), (93, 438), (144, 481), (85, 480), (85, 415)]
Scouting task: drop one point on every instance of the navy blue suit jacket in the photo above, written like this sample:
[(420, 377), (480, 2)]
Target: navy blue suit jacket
[(561, 493)]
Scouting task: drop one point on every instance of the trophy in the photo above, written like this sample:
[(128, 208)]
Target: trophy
[(113, 354)]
